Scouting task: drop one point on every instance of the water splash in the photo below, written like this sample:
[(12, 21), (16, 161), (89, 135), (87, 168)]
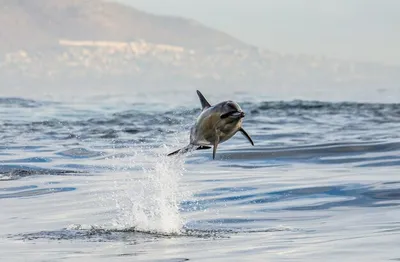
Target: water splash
[(150, 203)]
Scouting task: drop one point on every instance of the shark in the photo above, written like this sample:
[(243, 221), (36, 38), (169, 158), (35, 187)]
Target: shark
[(215, 125)]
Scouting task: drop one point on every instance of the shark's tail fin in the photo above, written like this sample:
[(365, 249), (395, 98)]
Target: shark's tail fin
[(175, 152), (188, 148)]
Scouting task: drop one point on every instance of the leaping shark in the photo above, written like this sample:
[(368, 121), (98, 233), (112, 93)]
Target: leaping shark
[(215, 125)]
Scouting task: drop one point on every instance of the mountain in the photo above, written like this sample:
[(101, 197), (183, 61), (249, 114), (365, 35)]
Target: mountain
[(40, 23), (91, 42)]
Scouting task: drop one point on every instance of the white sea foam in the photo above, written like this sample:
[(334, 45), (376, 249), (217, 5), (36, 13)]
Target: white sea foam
[(149, 200)]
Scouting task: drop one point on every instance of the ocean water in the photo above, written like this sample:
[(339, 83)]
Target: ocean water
[(89, 180)]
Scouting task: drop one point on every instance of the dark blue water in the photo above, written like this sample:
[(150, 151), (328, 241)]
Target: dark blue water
[(90, 180)]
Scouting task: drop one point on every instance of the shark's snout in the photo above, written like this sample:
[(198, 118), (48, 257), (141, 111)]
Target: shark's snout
[(239, 114)]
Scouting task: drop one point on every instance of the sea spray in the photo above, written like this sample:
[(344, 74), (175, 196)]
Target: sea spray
[(150, 201)]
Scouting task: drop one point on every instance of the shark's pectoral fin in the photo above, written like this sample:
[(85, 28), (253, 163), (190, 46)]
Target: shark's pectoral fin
[(215, 146), (246, 135)]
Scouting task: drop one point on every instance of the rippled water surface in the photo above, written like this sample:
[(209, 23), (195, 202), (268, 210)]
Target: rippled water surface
[(89, 180)]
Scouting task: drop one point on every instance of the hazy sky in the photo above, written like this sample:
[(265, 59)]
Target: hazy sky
[(364, 30)]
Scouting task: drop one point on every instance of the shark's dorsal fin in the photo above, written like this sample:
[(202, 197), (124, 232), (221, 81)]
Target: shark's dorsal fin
[(203, 100)]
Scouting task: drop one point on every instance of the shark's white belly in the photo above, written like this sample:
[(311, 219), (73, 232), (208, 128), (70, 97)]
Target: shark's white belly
[(210, 127)]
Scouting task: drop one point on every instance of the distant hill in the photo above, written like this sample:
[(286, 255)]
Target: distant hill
[(40, 23), (71, 42)]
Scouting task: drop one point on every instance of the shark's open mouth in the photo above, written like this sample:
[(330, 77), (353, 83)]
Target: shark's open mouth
[(233, 114)]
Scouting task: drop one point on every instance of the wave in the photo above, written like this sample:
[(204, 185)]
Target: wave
[(97, 233), (22, 102), (141, 124), (14, 172)]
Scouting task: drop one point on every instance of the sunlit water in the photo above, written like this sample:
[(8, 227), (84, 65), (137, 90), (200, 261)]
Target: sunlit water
[(89, 180)]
